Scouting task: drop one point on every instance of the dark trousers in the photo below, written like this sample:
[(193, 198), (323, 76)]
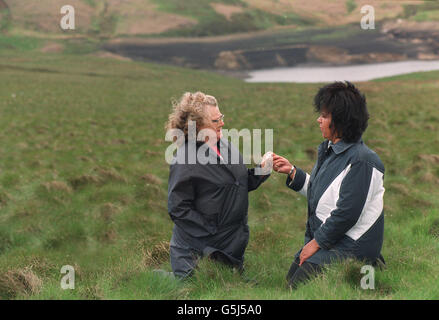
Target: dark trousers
[(184, 260), (298, 274)]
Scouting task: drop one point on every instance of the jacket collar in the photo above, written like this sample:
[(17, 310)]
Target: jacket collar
[(213, 156), (341, 146)]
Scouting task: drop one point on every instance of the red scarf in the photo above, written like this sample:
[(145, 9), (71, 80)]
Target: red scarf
[(216, 149)]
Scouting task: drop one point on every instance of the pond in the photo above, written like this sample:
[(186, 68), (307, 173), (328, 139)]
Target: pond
[(363, 72)]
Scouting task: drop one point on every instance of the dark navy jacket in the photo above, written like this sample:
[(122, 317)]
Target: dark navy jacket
[(345, 202), (208, 203)]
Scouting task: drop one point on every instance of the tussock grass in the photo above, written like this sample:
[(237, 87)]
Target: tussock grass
[(21, 281), (84, 182), (156, 254), (55, 186), (108, 210), (152, 179), (434, 229)]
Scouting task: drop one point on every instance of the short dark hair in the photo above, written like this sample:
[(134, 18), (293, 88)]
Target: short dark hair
[(347, 106)]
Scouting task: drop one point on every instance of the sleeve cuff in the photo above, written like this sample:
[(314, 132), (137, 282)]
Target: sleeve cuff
[(321, 240), (299, 180)]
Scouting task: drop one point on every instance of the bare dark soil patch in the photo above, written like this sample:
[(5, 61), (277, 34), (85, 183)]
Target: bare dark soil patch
[(283, 48)]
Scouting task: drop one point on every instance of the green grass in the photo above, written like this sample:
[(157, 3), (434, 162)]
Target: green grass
[(426, 11), (81, 46), (83, 182), (350, 5), (5, 20), (426, 16), (19, 43)]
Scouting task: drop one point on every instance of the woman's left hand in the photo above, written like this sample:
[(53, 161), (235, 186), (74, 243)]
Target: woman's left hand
[(308, 251)]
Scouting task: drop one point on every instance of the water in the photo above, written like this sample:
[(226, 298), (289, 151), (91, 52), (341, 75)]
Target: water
[(362, 72)]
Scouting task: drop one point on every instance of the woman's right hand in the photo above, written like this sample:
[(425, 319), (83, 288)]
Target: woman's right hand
[(281, 165)]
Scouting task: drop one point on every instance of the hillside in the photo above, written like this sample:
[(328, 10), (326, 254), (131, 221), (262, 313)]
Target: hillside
[(84, 182), (114, 18), (229, 35)]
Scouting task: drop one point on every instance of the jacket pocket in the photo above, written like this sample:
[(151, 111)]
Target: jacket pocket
[(210, 203), (234, 206)]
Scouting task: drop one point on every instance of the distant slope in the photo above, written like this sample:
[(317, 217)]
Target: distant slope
[(112, 18), (106, 18)]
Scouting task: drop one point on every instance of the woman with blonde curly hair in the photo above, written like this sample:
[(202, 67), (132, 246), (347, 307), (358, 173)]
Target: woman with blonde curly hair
[(194, 107), (208, 202)]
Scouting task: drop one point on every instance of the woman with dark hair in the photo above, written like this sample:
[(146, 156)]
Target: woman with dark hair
[(344, 190)]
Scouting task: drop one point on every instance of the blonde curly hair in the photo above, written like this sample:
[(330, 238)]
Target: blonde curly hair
[(191, 106)]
